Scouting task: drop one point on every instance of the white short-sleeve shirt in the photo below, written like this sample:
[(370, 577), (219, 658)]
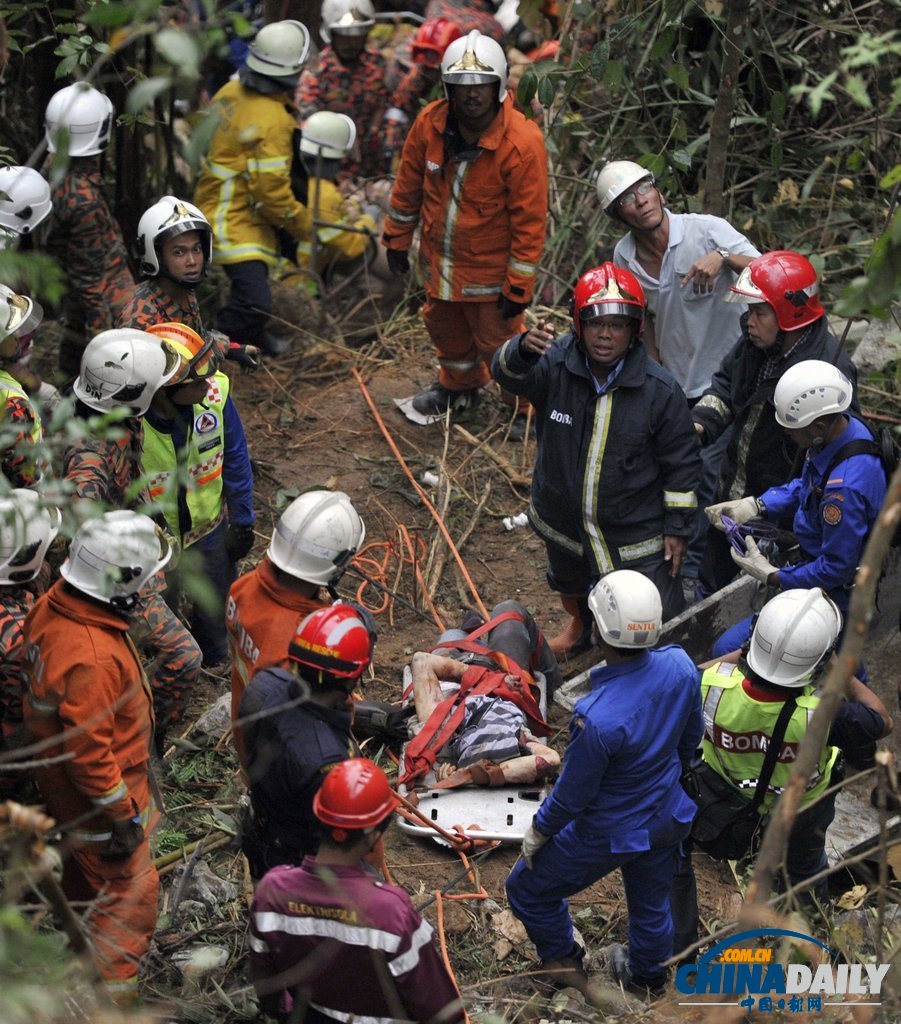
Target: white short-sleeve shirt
[(694, 331)]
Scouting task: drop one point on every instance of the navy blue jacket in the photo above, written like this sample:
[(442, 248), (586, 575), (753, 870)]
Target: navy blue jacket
[(760, 453), (615, 472), (288, 755)]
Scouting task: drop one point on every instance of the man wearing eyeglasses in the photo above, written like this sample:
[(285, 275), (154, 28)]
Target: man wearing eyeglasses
[(685, 263)]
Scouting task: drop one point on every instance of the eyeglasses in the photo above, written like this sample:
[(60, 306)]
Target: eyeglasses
[(641, 189)]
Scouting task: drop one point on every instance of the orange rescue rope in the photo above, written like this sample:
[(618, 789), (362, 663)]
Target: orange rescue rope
[(423, 496)]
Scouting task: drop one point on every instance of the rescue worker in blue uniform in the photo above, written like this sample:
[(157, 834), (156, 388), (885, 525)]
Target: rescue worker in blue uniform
[(618, 458), (832, 506), (618, 802), (296, 726), (743, 695)]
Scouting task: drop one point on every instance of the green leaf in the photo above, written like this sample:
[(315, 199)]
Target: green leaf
[(108, 15), (857, 90), (776, 155), (613, 75), (777, 108), (528, 86), (678, 74), (547, 90), (144, 93), (663, 43), (179, 49), (892, 178), (682, 159), (597, 61)]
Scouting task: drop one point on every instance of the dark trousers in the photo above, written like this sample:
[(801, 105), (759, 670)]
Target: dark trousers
[(565, 865), (243, 318), (805, 856), (520, 640), (571, 574), (208, 617)]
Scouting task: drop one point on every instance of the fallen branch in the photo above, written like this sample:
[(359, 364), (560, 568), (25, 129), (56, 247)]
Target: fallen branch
[(507, 468)]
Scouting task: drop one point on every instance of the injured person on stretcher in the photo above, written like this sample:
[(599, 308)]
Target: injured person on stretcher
[(479, 698)]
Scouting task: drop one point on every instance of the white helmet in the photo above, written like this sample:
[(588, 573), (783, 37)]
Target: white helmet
[(316, 537), (19, 314), (113, 556), (808, 390), (474, 59), (793, 634), (26, 532), (328, 134), (346, 18), (627, 609), (617, 177), (168, 218), (280, 49), (24, 199), (79, 119), (126, 367)]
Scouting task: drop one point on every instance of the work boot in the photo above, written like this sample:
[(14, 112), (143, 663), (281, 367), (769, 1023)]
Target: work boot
[(576, 637), (642, 987), (566, 971), (518, 428), (437, 399)]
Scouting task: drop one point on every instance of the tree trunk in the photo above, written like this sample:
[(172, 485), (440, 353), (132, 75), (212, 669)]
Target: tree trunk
[(736, 19)]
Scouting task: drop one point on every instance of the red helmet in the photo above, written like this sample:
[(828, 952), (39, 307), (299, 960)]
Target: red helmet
[(354, 795), (607, 291), (787, 281), (333, 640), (432, 38)]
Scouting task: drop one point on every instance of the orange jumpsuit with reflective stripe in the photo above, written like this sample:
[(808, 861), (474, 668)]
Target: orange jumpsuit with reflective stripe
[(87, 695), (261, 615), (482, 221)]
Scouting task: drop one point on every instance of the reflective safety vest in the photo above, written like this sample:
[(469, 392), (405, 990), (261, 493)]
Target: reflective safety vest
[(737, 729), (11, 388), (195, 469)]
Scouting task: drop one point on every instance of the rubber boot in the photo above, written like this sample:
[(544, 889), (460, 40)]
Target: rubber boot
[(576, 637)]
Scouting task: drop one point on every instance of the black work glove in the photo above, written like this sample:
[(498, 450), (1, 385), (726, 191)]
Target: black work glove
[(128, 834), (398, 262), (246, 356), (238, 541), (509, 308)]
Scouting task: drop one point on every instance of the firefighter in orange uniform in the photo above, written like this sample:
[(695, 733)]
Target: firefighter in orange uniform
[(88, 697), (473, 173), (314, 540)]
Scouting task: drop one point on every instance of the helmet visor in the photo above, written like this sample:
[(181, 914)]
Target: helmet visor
[(19, 315), (178, 369), (744, 290), (612, 308)]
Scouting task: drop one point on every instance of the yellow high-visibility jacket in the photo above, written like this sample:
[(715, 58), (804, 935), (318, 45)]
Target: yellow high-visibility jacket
[(335, 243), (244, 189)]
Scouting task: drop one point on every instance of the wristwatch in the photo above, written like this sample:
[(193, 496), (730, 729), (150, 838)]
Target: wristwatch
[(725, 254)]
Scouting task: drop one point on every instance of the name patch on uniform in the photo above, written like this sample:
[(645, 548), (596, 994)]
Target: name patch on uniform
[(832, 514), (205, 422), (208, 445)]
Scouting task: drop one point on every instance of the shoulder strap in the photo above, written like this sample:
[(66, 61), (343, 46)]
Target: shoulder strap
[(859, 447), (772, 752)]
